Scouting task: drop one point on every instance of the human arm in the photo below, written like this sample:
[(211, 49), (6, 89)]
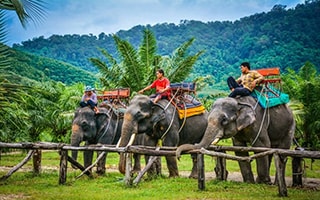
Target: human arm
[(94, 98), (83, 98), (257, 78), (144, 89)]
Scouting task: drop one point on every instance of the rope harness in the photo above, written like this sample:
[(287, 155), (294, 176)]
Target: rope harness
[(172, 118), (109, 114), (263, 91)]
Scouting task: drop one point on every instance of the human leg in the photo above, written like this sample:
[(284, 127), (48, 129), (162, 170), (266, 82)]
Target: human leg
[(232, 83), (241, 91), (93, 106)]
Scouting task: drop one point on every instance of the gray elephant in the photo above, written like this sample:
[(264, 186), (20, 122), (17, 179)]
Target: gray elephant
[(101, 128), (161, 121), (246, 122)]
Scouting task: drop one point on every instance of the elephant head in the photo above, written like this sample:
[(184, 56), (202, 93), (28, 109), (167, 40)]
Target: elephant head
[(226, 118), (136, 120), (87, 126)]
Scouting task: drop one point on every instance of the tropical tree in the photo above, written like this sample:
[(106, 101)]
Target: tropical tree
[(136, 68), (304, 87), (12, 92)]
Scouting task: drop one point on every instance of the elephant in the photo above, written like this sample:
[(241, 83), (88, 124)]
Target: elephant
[(161, 122), (246, 122), (101, 128)]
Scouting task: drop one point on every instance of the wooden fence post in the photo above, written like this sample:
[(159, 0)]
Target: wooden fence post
[(296, 171), (201, 171), (37, 154), (280, 162), (128, 174), (221, 169), (63, 166)]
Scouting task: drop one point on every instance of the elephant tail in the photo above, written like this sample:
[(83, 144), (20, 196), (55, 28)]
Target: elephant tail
[(184, 148)]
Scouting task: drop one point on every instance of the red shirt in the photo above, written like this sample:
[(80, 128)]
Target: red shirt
[(160, 85)]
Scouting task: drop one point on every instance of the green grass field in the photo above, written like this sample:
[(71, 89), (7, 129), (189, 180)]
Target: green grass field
[(26, 185)]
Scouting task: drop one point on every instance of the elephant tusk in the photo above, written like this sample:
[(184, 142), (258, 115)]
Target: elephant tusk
[(131, 139), (215, 141), (118, 144)]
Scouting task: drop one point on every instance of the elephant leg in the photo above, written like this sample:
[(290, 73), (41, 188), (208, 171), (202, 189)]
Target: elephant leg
[(263, 170), (194, 172), (172, 166), (158, 166), (101, 165), (87, 157), (137, 163), (245, 168), (155, 168)]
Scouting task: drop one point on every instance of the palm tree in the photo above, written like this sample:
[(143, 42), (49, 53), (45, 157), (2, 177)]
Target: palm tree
[(11, 89), (136, 68)]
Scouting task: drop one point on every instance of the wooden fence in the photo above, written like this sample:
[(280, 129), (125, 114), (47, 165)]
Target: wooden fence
[(219, 152)]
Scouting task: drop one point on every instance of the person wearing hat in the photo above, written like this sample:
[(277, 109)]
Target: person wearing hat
[(245, 84), (89, 98)]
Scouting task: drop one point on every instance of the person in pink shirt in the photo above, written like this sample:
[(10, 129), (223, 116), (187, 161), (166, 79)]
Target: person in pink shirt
[(162, 86)]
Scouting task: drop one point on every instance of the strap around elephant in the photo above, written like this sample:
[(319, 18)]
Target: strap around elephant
[(171, 122)]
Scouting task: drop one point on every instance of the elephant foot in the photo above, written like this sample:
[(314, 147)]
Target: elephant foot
[(173, 175), (265, 180), (193, 175), (101, 172)]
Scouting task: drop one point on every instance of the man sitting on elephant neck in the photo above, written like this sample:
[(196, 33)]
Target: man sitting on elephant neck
[(89, 98), (245, 84), (162, 85)]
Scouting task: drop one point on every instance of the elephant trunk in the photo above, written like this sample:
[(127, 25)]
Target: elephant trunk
[(129, 128), (76, 139), (212, 134)]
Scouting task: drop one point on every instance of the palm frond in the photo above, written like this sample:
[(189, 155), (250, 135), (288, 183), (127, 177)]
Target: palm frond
[(110, 74), (148, 51), (26, 10), (181, 64), (130, 64)]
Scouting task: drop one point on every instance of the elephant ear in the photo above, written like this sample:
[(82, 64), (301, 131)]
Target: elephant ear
[(246, 115)]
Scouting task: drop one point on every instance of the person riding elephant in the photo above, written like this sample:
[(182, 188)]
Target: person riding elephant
[(161, 122), (101, 128), (246, 122)]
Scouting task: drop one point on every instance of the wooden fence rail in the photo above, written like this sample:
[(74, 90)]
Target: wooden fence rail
[(216, 151)]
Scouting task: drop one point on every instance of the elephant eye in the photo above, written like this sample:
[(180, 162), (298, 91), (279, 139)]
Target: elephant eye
[(224, 121), (85, 126)]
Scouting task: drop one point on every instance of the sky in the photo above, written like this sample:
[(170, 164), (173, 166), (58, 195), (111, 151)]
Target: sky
[(110, 16)]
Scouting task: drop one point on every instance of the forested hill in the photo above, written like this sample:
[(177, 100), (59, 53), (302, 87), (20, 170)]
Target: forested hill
[(281, 37), (46, 69)]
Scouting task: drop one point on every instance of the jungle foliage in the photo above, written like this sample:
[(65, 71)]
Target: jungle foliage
[(304, 89), (137, 68), (41, 88), (281, 37)]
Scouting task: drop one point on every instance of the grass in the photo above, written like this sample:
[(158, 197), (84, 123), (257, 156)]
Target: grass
[(26, 185)]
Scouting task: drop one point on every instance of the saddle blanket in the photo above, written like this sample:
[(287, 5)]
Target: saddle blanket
[(191, 111), (189, 106)]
